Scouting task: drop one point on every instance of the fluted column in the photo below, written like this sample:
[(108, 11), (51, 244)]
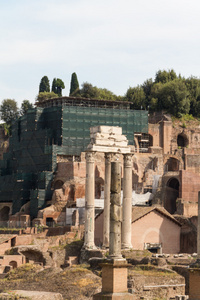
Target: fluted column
[(115, 212), (127, 202), (89, 202), (106, 219)]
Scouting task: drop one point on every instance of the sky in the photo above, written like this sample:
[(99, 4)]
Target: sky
[(111, 44)]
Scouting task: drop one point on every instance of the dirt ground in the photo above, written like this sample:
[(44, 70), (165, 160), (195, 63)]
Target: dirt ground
[(77, 282)]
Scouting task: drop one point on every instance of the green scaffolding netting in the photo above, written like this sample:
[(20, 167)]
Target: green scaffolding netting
[(43, 133)]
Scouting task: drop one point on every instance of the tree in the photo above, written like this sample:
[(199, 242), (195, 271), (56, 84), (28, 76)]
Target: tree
[(137, 96), (44, 85), (165, 76), (60, 86), (25, 106), (9, 110), (93, 92), (45, 95), (173, 97), (88, 91), (54, 87), (57, 86), (74, 86)]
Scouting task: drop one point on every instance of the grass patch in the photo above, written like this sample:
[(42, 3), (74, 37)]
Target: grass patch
[(146, 270), (27, 270)]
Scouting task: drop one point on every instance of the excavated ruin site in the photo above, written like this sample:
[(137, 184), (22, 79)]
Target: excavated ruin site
[(66, 222)]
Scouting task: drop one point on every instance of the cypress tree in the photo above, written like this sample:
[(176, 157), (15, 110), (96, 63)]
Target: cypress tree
[(44, 85), (54, 86), (74, 86)]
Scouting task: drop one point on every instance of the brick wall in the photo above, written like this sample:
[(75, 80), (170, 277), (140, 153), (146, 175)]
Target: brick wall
[(156, 228), (152, 228), (189, 186)]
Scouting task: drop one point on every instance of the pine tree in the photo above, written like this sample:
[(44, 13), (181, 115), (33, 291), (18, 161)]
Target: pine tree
[(44, 85), (57, 86), (74, 86)]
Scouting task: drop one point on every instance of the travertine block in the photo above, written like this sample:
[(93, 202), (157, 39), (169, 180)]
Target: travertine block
[(106, 149)]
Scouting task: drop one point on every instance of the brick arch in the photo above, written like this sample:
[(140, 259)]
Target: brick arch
[(172, 193)]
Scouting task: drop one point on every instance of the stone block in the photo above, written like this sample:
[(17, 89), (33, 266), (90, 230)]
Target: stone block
[(106, 129), (104, 149)]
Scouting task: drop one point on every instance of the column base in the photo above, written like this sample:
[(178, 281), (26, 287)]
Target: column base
[(126, 247)]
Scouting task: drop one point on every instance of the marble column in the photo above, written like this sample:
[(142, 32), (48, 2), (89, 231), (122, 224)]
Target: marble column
[(127, 203), (89, 201), (106, 218), (115, 212)]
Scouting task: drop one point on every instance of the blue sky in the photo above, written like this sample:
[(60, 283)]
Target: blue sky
[(112, 44)]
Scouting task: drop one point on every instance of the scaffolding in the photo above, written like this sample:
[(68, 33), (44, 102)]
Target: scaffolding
[(60, 126)]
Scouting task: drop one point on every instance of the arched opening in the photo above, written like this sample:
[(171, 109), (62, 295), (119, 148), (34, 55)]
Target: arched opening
[(13, 264), (58, 184), (172, 193), (4, 213), (172, 165), (182, 140), (173, 183)]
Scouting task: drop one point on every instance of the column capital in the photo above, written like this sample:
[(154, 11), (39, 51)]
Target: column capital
[(89, 156), (108, 157), (128, 160)]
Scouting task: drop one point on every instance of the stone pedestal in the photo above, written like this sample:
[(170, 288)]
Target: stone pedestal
[(114, 281)]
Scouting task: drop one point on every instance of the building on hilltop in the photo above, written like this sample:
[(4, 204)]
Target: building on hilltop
[(56, 132)]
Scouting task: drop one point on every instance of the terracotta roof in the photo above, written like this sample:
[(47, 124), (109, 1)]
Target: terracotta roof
[(139, 212), (6, 237)]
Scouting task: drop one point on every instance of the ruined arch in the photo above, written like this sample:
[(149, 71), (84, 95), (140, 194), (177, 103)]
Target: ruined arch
[(182, 140), (172, 164), (171, 194), (13, 264), (4, 213)]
